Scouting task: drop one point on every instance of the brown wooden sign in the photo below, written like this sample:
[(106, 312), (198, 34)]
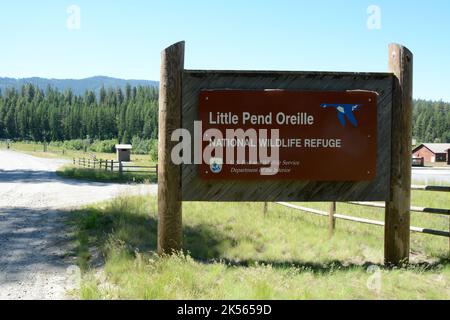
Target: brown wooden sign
[(357, 171), (308, 135), (369, 113)]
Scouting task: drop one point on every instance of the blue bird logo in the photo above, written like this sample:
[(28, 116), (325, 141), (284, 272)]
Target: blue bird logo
[(344, 111)]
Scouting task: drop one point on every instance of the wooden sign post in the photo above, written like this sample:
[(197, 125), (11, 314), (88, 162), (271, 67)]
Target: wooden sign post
[(339, 136), (170, 233), (397, 214)]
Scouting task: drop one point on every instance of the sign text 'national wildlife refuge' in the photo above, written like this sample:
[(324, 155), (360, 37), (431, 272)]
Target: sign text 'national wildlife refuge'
[(297, 135)]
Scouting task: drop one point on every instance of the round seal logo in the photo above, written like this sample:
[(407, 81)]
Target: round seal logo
[(215, 164)]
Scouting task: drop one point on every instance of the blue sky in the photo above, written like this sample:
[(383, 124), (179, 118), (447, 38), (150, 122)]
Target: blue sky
[(124, 38)]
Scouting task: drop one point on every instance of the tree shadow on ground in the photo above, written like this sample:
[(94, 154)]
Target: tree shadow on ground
[(74, 176), (31, 239)]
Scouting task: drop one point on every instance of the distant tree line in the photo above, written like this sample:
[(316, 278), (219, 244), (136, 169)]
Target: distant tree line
[(50, 115), (431, 121), (132, 114)]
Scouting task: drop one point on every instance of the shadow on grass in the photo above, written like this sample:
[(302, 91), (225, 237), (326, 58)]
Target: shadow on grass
[(138, 233), (337, 265), (205, 244)]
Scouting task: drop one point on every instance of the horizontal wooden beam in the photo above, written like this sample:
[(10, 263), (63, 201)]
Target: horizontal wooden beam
[(363, 220), (431, 231), (431, 188), (412, 208), (374, 75)]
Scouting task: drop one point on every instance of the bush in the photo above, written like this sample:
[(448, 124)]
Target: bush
[(140, 146), (154, 149), (106, 146), (145, 146), (77, 144), (56, 144)]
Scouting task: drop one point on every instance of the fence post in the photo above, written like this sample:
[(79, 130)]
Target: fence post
[(112, 165), (170, 233), (397, 213), (74, 161), (331, 219), (120, 167)]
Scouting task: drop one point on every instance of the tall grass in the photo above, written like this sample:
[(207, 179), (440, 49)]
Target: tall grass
[(234, 251), (99, 175)]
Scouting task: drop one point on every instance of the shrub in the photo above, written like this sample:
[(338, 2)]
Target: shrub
[(77, 144), (154, 149), (106, 146), (140, 146), (56, 143)]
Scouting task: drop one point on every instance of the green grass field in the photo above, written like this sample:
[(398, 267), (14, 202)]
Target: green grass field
[(37, 149), (98, 175), (73, 172), (234, 251)]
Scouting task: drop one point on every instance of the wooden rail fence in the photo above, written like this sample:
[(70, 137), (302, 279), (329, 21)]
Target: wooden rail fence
[(333, 215), (114, 166)]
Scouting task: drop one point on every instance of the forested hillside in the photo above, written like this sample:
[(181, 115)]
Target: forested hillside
[(431, 121), (50, 115), (34, 114), (78, 86)]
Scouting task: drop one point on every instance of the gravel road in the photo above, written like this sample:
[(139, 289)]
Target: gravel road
[(34, 203)]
